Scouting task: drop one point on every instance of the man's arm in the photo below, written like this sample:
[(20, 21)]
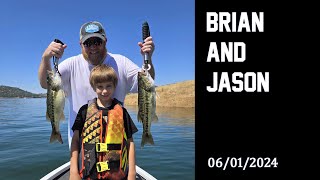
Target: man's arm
[(42, 72)]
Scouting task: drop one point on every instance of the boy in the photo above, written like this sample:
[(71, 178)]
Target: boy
[(106, 129)]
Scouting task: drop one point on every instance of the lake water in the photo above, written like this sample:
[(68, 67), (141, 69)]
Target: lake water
[(26, 153)]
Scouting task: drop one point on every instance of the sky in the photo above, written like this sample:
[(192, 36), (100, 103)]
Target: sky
[(28, 27)]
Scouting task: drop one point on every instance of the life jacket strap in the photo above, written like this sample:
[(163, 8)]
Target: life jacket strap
[(105, 147)]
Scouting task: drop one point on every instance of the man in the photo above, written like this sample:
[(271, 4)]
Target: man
[(75, 71)]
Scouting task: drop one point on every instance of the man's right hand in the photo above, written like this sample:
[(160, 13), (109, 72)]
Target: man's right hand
[(54, 49)]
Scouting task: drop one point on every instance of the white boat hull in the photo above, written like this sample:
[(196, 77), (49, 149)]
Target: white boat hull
[(62, 173)]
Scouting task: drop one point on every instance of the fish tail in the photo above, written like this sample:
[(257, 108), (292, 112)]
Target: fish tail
[(154, 118), (56, 136), (147, 139)]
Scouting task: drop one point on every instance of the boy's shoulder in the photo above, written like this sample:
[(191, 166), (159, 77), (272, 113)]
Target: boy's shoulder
[(83, 108), (116, 101)]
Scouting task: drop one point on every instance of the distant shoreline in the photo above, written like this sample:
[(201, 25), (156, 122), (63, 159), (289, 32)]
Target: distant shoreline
[(14, 92), (180, 94)]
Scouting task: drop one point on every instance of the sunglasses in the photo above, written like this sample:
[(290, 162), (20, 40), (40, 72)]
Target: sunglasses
[(95, 41)]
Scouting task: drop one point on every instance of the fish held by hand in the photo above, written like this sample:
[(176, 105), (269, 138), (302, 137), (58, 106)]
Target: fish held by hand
[(146, 106), (55, 104)]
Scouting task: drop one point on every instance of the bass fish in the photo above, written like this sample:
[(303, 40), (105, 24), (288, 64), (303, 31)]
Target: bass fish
[(55, 104), (146, 107)]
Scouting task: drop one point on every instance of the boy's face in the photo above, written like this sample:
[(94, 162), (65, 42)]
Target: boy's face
[(105, 91)]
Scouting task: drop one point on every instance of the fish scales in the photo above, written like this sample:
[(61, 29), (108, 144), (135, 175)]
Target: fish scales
[(146, 107), (55, 104)]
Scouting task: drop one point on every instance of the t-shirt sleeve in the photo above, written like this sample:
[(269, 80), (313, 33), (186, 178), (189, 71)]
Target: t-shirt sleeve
[(130, 127), (132, 75), (80, 118)]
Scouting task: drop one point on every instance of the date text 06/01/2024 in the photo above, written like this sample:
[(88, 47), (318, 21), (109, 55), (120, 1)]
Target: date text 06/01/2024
[(250, 162)]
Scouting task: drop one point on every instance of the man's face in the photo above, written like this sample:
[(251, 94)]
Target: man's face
[(93, 50)]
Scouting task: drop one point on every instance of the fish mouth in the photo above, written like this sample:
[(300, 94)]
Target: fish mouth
[(142, 73)]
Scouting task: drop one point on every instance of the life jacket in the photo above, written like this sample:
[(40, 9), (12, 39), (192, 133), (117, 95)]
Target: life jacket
[(104, 144)]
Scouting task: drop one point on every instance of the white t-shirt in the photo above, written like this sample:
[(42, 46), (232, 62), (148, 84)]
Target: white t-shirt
[(75, 72)]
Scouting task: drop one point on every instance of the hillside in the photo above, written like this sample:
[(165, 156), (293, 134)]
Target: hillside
[(179, 94), (13, 92)]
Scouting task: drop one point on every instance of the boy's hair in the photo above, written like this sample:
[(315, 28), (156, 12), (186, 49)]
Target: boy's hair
[(103, 73)]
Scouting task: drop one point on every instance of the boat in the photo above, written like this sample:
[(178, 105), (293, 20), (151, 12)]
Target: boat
[(62, 173)]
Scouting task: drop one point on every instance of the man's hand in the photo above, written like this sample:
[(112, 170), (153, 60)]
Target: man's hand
[(54, 49), (147, 46)]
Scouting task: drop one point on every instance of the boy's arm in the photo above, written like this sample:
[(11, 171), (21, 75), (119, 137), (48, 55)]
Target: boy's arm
[(74, 154), (132, 160)]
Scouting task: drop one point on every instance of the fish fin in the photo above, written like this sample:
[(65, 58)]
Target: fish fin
[(62, 117), (56, 136), (47, 116), (157, 95), (65, 93), (154, 118), (147, 139), (139, 117)]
